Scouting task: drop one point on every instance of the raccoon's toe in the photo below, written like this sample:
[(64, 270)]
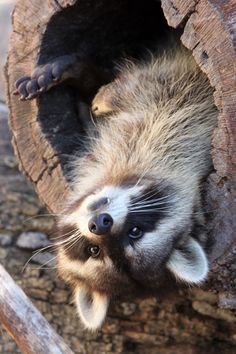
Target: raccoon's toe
[(44, 77), (29, 87), (20, 85)]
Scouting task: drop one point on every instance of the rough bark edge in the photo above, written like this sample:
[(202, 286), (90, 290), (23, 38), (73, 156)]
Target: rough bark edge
[(41, 166), (209, 32)]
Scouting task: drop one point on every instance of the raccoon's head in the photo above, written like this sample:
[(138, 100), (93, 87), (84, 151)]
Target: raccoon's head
[(125, 238)]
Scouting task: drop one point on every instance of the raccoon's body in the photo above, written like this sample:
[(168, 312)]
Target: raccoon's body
[(135, 214)]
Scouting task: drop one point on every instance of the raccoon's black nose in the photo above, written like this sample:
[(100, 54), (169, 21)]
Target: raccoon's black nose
[(100, 224)]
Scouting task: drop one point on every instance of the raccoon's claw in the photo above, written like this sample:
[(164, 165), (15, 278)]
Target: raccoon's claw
[(43, 77), (29, 87)]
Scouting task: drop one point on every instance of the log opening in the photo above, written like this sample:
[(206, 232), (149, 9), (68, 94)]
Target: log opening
[(107, 33)]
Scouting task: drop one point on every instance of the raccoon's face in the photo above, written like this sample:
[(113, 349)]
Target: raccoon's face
[(123, 238)]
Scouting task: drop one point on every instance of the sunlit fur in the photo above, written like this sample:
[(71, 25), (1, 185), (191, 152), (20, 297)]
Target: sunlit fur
[(147, 154)]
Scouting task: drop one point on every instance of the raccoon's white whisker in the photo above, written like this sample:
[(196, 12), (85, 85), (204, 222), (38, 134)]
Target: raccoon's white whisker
[(141, 178), (72, 242), (52, 246), (58, 243), (157, 200), (61, 236), (154, 205), (153, 201), (50, 260), (71, 233), (150, 202), (44, 268), (149, 211), (146, 195), (75, 237), (145, 205), (149, 208), (71, 245), (160, 198), (69, 240), (35, 254), (151, 194), (53, 239), (42, 215)]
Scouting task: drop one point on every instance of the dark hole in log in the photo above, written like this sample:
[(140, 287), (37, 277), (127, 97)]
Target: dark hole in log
[(105, 30)]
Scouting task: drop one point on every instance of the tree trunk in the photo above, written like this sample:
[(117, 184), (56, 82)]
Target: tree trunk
[(44, 132)]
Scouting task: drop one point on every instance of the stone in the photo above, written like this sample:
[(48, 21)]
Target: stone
[(46, 259), (5, 240), (32, 240), (60, 297), (10, 161), (3, 254), (30, 209), (38, 294), (44, 223), (128, 308)]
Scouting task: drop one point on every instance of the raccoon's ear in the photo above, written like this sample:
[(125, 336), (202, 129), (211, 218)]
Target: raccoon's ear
[(92, 307), (189, 263)]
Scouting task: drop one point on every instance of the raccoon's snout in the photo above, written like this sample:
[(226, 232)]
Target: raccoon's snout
[(98, 204), (100, 224)]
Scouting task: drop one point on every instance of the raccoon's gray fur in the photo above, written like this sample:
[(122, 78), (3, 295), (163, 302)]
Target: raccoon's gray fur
[(135, 213), (134, 218)]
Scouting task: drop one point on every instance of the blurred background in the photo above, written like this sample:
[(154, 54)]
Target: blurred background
[(6, 7)]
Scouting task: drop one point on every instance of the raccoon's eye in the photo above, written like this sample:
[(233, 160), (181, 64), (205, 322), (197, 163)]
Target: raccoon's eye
[(94, 251), (135, 232)]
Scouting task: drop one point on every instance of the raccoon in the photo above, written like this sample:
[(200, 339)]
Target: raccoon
[(135, 217)]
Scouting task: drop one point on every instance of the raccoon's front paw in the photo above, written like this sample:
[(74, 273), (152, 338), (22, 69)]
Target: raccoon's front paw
[(102, 102), (44, 77)]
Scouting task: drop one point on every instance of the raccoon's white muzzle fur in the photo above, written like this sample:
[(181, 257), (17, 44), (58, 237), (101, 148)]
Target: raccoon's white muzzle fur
[(135, 215)]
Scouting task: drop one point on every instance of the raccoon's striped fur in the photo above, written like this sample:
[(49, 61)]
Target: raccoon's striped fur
[(135, 214)]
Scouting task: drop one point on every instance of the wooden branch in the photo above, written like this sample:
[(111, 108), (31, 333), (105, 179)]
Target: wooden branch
[(25, 323)]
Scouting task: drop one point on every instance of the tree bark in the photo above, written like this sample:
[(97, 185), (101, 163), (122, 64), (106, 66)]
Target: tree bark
[(209, 32)]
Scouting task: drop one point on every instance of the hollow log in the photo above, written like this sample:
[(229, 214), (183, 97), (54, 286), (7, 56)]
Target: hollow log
[(24, 322), (45, 130), (209, 32)]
